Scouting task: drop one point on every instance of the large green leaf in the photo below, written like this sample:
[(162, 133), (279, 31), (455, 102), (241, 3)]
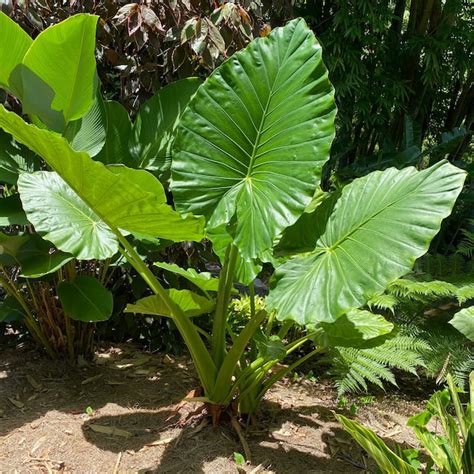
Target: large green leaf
[(385, 458), (252, 142), (203, 280), (14, 158), (357, 328), (463, 321), (118, 133), (63, 218), (38, 258), (14, 43), (154, 127), (123, 198), (381, 224), (85, 299), (89, 132), (11, 211), (246, 270), (11, 310), (190, 303), (10, 246), (62, 61)]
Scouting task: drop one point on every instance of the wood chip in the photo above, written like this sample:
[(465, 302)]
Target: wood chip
[(16, 403), (117, 464), (161, 442), (110, 430), (91, 379), (126, 363), (31, 380)]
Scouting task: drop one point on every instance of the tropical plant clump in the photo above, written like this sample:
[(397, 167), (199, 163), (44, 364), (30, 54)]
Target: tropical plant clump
[(243, 152)]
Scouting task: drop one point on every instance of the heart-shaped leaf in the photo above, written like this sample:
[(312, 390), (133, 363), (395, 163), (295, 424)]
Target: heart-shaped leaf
[(63, 218), (380, 225), (85, 299), (251, 144)]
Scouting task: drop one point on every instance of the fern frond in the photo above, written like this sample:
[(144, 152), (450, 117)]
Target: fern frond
[(414, 289), (466, 246), (353, 369), (383, 301), (465, 293)]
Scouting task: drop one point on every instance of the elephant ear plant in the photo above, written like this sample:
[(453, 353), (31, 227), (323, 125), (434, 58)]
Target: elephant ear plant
[(54, 290), (53, 77), (245, 170)]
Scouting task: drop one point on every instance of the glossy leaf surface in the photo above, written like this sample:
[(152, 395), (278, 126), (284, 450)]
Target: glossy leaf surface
[(156, 121), (380, 225), (118, 133), (89, 132), (63, 218), (85, 299), (123, 198), (62, 58), (357, 328), (190, 303), (203, 280), (463, 321), (14, 43), (253, 140)]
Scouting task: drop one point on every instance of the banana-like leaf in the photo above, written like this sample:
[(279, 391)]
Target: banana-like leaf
[(385, 458), (251, 144), (121, 197), (154, 127), (203, 280), (463, 321), (14, 43), (118, 133), (357, 328), (85, 299), (60, 68), (380, 225), (89, 132), (190, 303)]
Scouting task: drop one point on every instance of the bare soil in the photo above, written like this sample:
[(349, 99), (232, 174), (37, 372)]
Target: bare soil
[(123, 413)]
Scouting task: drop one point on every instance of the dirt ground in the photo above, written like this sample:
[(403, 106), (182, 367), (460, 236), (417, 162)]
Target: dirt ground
[(122, 414)]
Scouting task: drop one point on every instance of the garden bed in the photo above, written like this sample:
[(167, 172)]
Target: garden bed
[(123, 413)]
